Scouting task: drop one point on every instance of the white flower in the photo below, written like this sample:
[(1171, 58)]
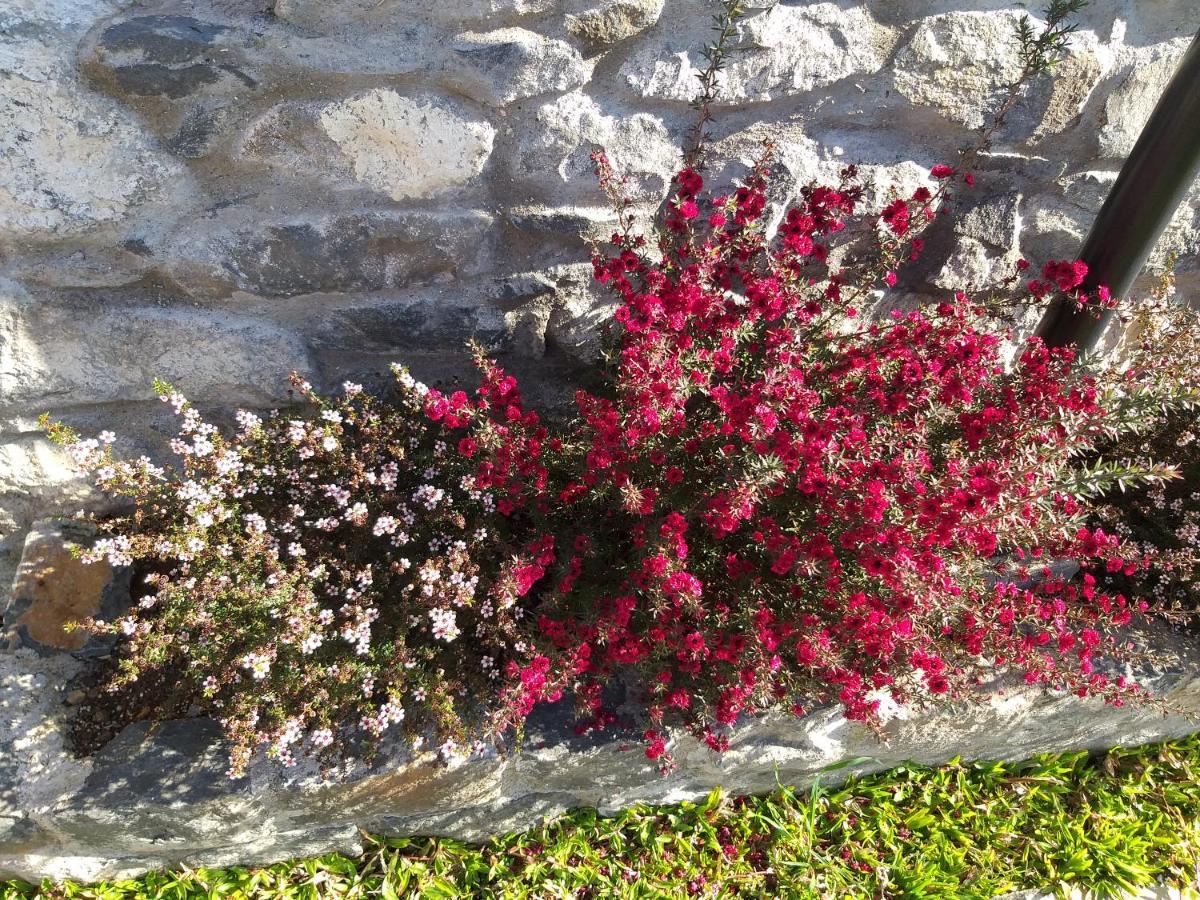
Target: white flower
[(329, 443), (444, 624), (247, 421), (351, 388), (311, 643), (107, 437), (258, 664)]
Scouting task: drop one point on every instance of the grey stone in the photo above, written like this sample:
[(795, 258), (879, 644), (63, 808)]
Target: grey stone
[(36, 479), (995, 220), (958, 62), (52, 129), (554, 159), (196, 132), (430, 322), (363, 251), (1128, 107), (160, 797), (580, 310), (510, 64), (407, 147), (783, 51), (169, 56), (56, 355), (334, 14)]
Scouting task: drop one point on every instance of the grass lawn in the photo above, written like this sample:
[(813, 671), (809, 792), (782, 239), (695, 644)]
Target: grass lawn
[(1110, 822)]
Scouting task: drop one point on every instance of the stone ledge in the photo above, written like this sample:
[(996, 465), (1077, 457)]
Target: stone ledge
[(160, 797)]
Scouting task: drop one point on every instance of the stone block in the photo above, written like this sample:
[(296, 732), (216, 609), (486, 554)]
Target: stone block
[(553, 157), (402, 146), (353, 251), (63, 354), (510, 64), (958, 62), (783, 51), (168, 56), (52, 129), (610, 21), (53, 588)]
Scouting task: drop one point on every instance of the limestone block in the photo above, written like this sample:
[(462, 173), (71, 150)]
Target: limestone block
[(1128, 107), (554, 156), (510, 64), (958, 62), (403, 146), (56, 355), (36, 479), (169, 56), (407, 147), (365, 250), (331, 15), (611, 21), (52, 129), (784, 51)]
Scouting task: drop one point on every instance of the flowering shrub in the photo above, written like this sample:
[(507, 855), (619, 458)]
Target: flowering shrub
[(786, 505), (1162, 521), (332, 572), (772, 502)]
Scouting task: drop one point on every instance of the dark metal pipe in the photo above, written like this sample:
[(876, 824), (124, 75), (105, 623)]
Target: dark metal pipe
[(1153, 181)]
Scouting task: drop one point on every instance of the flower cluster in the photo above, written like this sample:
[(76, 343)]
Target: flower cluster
[(780, 504), (332, 572), (1162, 520), (772, 502)]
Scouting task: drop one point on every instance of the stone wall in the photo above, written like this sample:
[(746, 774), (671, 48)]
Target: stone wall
[(161, 798), (220, 191)]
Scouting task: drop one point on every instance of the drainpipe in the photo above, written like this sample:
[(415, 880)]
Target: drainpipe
[(1152, 183)]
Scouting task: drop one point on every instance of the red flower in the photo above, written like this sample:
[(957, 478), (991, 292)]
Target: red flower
[(1066, 275)]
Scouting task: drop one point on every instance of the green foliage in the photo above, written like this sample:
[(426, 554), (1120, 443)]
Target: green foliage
[(1105, 475), (716, 55), (1107, 823), (1041, 51), (1159, 520)]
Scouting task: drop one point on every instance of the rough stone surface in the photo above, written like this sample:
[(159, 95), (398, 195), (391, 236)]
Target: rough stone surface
[(1129, 106), (162, 798), (613, 20), (52, 129), (555, 157), (332, 14), (54, 588), (407, 147), (509, 64), (363, 250), (72, 355), (954, 61), (786, 50)]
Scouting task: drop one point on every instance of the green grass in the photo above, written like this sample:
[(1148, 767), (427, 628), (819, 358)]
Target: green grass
[(1110, 822)]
